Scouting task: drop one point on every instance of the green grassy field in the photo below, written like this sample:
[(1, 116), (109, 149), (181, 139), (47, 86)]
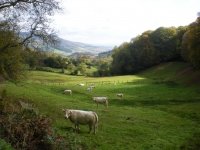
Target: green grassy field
[(158, 111)]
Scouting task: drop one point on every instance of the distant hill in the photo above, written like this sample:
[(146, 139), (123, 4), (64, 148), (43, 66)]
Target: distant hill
[(78, 55), (70, 47), (105, 54), (67, 47)]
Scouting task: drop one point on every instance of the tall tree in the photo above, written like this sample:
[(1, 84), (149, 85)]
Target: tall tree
[(163, 40), (191, 44), (20, 22), (121, 59), (10, 60), (29, 16), (150, 48)]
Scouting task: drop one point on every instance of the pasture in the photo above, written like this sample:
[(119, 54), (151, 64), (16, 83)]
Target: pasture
[(157, 111)]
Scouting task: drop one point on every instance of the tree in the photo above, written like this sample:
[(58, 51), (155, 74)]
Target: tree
[(163, 40), (82, 67), (11, 60), (122, 59), (103, 66), (51, 62), (71, 68), (20, 22), (179, 40), (191, 44), (62, 61), (146, 54), (148, 49), (30, 17), (34, 58)]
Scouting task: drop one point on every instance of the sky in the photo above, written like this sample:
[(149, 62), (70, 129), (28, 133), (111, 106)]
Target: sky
[(112, 22)]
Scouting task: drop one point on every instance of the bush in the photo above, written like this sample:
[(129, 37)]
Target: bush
[(26, 130), (4, 145), (23, 128), (47, 69)]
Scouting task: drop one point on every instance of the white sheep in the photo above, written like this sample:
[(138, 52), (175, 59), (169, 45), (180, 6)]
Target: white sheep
[(82, 117), (81, 84), (68, 92), (120, 95), (101, 100)]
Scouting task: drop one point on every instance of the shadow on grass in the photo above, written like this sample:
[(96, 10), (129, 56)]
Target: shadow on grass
[(152, 102), (65, 128), (157, 104), (72, 130), (192, 143)]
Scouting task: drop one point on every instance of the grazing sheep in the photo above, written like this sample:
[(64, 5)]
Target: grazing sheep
[(81, 84), (101, 100), (120, 95), (92, 86), (89, 89), (82, 117), (68, 92)]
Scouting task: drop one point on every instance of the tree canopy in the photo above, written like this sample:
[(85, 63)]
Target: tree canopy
[(20, 22), (191, 44), (148, 49), (30, 17)]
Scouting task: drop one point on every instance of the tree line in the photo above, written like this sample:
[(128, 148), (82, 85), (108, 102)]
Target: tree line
[(16, 17), (146, 50), (154, 47)]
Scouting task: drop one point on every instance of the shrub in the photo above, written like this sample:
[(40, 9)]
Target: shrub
[(26, 130), (23, 128), (4, 145), (47, 69)]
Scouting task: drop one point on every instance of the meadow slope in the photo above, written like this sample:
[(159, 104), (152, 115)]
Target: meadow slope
[(160, 108)]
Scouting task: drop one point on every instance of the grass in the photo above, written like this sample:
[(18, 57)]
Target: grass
[(157, 111)]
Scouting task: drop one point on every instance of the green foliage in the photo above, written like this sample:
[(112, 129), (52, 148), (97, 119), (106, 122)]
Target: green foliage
[(23, 128), (82, 68), (4, 145), (56, 62), (179, 39), (71, 68), (34, 58), (51, 62), (10, 58), (148, 49), (191, 44), (47, 69), (103, 66), (122, 60)]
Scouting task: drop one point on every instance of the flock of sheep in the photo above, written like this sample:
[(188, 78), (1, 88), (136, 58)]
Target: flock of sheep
[(86, 117)]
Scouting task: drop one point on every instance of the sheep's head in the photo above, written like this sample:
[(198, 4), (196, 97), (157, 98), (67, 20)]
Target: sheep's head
[(67, 113)]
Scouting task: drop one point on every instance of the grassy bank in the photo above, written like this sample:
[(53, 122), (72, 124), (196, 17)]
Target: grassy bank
[(159, 110)]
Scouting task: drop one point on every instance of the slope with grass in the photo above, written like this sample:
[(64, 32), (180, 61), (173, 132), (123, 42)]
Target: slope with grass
[(160, 110)]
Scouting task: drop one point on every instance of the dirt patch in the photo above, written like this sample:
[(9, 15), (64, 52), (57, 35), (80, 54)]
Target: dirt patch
[(184, 71), (189, 76), (1, 79), (163, 66)]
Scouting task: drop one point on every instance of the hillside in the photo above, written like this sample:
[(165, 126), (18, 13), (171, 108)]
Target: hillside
[(105, 54), (70, 47), (179, 72), (157, 111), (67, 47)]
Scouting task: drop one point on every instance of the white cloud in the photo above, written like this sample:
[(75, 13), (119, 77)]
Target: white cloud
[(111, 22)]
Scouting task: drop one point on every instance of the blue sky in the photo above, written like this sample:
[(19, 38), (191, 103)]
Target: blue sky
[(112, 22)]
